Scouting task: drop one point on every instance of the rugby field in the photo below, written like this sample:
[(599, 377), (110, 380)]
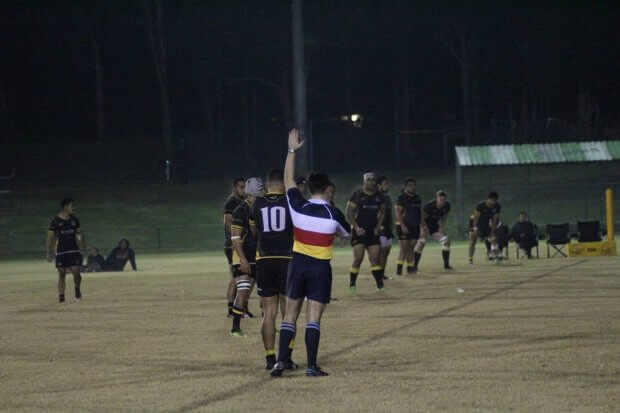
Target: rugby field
[(527, 335)]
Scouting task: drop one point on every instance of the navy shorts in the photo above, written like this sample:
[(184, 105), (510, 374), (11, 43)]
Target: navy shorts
[(69, 259), (271, 274), (309, 277), (368, 239)]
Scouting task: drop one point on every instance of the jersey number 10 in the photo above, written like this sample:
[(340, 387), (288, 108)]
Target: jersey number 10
[(274, 219)]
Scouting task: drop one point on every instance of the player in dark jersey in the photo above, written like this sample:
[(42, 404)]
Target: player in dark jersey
[(65, 238), (330, 195), (483, 225), (274, 230), (387, 231), (366, 214), (408, 211), (233, 201), (244, 251), (434, 216)]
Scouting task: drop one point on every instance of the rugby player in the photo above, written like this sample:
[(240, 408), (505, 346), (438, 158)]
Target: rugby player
[(310, 274), (366, 214), (387, 232), (244, 251), (408, 215), (64, 238), (233, 201), (434, 216), (483, 225), (274, 230)]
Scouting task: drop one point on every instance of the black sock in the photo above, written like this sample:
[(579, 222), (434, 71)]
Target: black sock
[(378, 274), (313, 335), (446, 258), (270, 356), (78, 293), (289, 350), (410, 268), (237, 314), (416, 259), (353, 276), (399, 268), (61, 298), (287, 334), (230, 306)]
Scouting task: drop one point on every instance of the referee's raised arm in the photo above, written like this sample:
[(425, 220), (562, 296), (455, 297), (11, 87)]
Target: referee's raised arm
[(289, 167)]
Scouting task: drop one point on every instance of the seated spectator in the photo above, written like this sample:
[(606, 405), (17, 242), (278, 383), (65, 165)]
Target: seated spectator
[(503, 236), (95, 261), (525, 234), (119, 256)]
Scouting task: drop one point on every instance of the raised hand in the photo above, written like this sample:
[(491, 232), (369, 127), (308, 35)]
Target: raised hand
[(293, 140)]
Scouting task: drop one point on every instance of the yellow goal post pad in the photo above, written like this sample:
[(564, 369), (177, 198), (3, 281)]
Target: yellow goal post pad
[(592, 249)]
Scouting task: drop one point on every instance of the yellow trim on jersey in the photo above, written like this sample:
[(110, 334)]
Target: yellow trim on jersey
[(237, 227), (252, 223), (321, 253)]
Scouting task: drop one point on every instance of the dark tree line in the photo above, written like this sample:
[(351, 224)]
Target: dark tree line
[(211, 82)]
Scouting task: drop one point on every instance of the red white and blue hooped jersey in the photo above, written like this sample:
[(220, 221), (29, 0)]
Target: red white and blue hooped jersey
[(315, 223)]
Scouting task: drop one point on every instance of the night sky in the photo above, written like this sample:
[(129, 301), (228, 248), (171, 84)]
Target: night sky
[(537, 72)]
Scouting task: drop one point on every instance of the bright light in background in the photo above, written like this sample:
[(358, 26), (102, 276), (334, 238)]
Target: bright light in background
[(356, 117)]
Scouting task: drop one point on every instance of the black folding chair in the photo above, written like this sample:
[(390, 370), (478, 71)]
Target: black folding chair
[(589, 231), (557, 237), (521, 253)]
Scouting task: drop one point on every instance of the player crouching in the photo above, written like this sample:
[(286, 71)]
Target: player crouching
[(434, 216)]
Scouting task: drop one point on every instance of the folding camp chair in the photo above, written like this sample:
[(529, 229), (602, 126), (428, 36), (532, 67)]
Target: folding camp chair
[(521, 253), (557, 237), (589, 231)]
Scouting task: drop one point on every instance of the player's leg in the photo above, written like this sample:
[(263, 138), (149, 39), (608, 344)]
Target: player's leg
[(374, 256), (77, 280), (231, 291), (386, 247), (402, 253), (417, 252), (243, 288), (473, 238), (358, 257), (62, 273), (268, 328), (246, 310), (444, 241), (494, 247), (319, 287), (288, 329), (313, 335)]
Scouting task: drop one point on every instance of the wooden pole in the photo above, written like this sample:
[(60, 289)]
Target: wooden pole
[(609, 203)]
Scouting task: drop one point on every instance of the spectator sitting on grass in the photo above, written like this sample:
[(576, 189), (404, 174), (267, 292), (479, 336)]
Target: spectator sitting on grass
[(119, 256), (95, 261)]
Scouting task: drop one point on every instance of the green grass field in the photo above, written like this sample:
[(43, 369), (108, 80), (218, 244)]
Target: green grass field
[(540, 335)]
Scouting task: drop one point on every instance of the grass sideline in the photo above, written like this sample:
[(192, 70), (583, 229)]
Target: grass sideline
[(175, 217), (527, 335)]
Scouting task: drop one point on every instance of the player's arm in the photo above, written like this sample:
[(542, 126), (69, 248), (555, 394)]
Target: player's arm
[(351, 214), (475, 220), (50, 244), (289, 167), (494, 222), (398, 209), (380, 219), (81, 238), (237, 242), (442, 222), (227, 221)]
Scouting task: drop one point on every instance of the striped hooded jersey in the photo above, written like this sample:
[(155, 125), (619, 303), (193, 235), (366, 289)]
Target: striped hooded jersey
[(315, 224)]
